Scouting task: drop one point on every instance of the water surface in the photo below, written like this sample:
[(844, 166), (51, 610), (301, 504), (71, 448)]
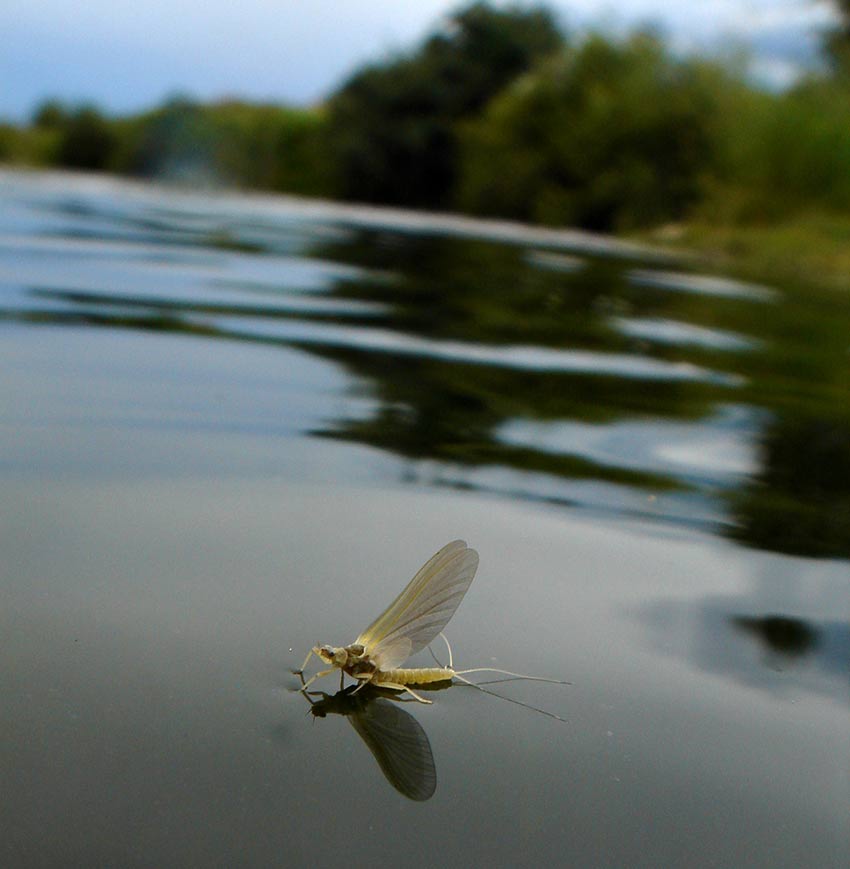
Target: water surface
[(233, 427)]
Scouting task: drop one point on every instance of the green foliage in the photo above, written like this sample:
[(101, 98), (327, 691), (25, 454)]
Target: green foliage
[(31, 146), (50, 115), (607, 136), (87, 140), (272, 148), (800, 500), (59, 136), (494, 115), (393, 125), (786, 154), (9, 143), (251, 146), (174, 142), (235, 143)]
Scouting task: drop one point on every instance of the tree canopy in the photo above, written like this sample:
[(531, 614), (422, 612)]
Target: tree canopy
[(393, 126)]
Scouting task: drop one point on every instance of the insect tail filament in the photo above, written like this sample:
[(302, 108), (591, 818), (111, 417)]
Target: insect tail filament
[(509, 673), (511, 699)]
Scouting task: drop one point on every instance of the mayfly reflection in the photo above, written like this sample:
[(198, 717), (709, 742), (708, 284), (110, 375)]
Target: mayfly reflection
[(396, 739), (409, 624)]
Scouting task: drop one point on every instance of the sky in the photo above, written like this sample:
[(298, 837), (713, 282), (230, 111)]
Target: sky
[(128, 55)]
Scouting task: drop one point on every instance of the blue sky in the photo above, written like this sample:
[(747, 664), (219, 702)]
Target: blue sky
[(127, 56)]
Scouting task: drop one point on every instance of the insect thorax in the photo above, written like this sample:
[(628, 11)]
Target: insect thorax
[(352, 658), (361, 669)]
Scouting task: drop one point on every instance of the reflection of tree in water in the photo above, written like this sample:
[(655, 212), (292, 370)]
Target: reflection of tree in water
[(437, 410), (788, 636), (491, 292), (800, 500), (449, 288), (483, 292), (753, 633), (475, 290)]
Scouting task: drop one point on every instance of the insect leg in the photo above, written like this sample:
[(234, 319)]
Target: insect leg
[(448, 646), (439, 662), (416, 696), (396, 686), (301, 669), (363, 684), (318, 675)]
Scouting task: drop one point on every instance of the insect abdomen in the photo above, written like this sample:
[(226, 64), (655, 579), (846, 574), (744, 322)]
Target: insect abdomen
[(417, 676)]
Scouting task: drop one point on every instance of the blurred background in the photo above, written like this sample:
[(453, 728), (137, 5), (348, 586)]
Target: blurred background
[(291, 294), (741, 104)]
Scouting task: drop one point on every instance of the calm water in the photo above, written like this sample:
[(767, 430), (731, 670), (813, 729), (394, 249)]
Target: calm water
[(231, 428)]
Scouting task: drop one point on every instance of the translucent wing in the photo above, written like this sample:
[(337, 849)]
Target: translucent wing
[(422, 610)]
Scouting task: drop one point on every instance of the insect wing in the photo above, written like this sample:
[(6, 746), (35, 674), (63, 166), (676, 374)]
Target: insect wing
[(422, 610)]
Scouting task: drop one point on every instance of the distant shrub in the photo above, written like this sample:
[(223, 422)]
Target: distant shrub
[(798, 157), (173, 142), (51, 114), (393, 126), (87, 140), (610, 135), (233, 143), (9, 137), (271, 147)]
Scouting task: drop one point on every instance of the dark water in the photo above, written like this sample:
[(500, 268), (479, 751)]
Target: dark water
[(231, 428)]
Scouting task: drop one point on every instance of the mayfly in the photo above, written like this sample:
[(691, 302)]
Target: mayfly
[(408, 625)]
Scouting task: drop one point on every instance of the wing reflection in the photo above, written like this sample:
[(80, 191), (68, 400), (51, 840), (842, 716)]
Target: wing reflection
[(393, 735)]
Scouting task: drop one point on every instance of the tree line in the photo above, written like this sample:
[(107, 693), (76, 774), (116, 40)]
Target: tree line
[(500, 112)]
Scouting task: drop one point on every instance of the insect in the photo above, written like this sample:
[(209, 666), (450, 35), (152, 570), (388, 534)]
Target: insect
[(408, 625)]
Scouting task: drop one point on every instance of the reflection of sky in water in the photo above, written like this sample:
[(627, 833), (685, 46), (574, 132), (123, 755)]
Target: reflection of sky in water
[(663, 331), (556, 262), (181, 300), (593, 496), (703, 285), (137, 253), (525, 358), (143, 284), (67, 412), (437, 376), (167, 405), (158, 256), (150, 269), (708, 451)]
